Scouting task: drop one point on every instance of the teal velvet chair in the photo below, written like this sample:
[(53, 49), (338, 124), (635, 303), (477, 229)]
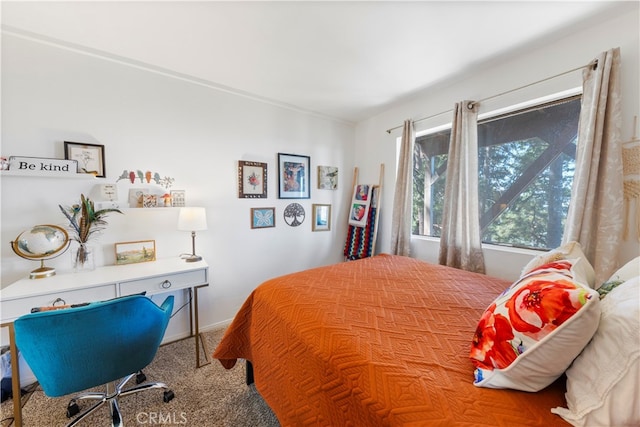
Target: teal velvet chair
[(74, 349)]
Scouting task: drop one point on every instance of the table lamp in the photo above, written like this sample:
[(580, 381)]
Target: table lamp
[(192, 219)]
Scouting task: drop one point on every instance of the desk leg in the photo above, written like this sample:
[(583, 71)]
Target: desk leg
[(15, 376), (198, 338), (189, 296)]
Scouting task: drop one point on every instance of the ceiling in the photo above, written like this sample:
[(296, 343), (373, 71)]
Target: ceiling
[(344, 60)]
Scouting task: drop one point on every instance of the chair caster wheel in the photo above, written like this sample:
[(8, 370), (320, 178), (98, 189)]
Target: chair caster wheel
[(116, 420), (168, 396), (140, 378), (72, 410)]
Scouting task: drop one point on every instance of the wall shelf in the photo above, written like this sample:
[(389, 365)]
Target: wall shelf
[(157, 208), (36, 174)]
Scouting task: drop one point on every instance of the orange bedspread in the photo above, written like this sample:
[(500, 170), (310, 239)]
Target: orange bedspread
[(382, 341)]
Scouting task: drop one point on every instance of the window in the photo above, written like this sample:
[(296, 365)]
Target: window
[(526, 162)]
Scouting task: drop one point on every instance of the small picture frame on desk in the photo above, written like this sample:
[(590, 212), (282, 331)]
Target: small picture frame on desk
[(135, 252)]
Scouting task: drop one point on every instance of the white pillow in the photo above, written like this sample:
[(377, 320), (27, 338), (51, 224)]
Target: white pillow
[(627, 271), (569, 250), (603, 383)]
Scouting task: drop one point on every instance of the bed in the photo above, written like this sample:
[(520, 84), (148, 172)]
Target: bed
[(382, 341)]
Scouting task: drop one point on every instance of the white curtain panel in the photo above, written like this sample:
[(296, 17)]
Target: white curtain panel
[(403, 198), (595, 217), (460, 244)]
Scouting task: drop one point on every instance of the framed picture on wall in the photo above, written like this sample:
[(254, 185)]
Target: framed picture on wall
[(263, 217), (327, 177), (293, 176), (252, 180), (321, 217), (90, 157)]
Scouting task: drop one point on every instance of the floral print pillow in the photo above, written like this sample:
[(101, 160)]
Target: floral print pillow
[(532, 332)]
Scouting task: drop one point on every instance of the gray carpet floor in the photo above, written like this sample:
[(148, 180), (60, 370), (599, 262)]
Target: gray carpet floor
[(207, 396)]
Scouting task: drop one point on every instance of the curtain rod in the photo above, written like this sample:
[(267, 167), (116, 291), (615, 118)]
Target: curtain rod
[(593, 63)]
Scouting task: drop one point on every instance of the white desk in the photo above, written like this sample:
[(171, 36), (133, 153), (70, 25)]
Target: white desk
[(163, 275)]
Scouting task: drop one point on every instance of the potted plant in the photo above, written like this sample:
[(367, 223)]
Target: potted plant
[(85, 222)]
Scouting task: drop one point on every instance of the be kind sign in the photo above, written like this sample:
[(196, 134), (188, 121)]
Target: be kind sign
[(42, 166)]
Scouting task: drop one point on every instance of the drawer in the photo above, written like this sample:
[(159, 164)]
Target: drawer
[(164, 283), (12, 309)]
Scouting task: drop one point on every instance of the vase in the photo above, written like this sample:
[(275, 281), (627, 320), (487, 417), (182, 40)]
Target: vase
[(82, 258)]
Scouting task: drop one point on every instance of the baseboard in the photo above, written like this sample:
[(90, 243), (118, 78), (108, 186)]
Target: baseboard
[(211, 327), (175, 337), (214, 326)]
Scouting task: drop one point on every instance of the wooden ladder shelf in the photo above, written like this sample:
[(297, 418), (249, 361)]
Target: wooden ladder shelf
[(361, 241)]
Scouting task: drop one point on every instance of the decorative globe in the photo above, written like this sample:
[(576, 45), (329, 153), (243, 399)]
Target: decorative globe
[(41, 242)]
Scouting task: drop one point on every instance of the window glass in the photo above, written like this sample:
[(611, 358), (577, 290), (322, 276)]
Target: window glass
[(526, 161)]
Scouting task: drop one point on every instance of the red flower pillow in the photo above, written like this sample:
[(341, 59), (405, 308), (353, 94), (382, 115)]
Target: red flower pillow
[(532, 332)]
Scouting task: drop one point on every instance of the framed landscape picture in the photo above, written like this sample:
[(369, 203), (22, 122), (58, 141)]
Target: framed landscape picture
[(135, 252), (294, 176)]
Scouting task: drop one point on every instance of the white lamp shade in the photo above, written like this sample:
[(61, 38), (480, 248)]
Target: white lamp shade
[(192, 219)]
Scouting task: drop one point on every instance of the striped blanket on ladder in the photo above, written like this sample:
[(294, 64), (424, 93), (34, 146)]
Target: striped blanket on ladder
[(360, 240)]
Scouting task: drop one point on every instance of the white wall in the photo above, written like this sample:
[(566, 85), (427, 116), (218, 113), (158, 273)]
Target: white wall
[(180, 129), (375, 146)]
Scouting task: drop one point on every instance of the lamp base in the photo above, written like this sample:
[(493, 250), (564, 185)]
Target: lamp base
[(192, 258)]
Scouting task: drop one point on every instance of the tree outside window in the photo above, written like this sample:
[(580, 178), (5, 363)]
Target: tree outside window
[(526, 164)]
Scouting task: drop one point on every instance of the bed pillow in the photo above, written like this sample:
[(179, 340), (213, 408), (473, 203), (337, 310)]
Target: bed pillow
[(602, 383), (627, 271), (531, 333), (571, 250)]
